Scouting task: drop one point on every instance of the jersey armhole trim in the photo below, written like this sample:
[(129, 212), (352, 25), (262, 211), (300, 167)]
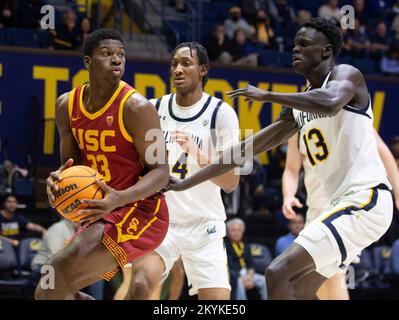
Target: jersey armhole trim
[(124, 132), (70, 105), (213, 122), (158, 104)]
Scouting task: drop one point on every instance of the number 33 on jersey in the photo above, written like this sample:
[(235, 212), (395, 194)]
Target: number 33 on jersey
[(102, 139)]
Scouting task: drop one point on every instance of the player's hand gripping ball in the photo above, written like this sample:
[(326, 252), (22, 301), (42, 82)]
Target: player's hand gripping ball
[(77, 183)]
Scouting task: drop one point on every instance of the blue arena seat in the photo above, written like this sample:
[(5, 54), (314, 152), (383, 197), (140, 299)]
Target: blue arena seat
[(285, 59), (394, 259), (8, 259), (268, 58), (381, 259), (344, 60), (28, 248), (261, 256), (365, 65), (3, 40), (22, 37), (10, 284), (23, 187)]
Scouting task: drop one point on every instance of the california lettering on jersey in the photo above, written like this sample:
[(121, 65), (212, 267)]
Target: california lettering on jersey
[(304, 118), (203, 122)]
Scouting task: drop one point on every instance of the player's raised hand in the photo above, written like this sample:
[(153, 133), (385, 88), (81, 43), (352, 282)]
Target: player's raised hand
[(249, 92), (97, 209), (53, 178), (288, 205), (185, 141)]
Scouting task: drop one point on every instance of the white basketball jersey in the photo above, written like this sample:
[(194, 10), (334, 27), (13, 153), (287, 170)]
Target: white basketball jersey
[(341, 150), (316, 197), (202, 121)]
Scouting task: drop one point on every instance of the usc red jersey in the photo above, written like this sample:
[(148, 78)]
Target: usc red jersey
[(103, 140), (105, 145)]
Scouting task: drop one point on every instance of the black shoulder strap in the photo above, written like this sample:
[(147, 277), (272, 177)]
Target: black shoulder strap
[(158, 103), (213, 122)]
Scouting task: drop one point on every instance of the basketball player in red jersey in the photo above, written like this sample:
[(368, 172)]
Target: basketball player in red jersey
[(102, 125)]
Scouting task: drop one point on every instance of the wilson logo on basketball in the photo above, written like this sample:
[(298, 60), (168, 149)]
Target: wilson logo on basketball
[(62, 191), (72, 207)]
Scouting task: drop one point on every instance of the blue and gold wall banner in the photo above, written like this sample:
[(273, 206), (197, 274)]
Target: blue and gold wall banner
[(31, 81)]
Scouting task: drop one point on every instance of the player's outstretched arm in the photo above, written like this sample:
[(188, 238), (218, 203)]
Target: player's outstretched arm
[(69, 150), (324, 101), (266, 139)]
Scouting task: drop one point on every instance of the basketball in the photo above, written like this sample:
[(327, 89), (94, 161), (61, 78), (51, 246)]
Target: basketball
[(78, 183)]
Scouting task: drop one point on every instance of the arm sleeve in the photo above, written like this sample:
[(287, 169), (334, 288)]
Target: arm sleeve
[(227, 127), (279, 247)]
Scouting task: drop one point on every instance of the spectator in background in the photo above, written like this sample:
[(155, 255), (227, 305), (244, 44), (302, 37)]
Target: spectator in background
[(6, 14), (239, 52), (380, 41), (390, 62), (84, 30), (285, 12), (14, 226), (236, 22), (290, 31), (330, 10), (295, 226), (180, 5), (361, 14), (8, 173), (55, 239), (66, 36), (217, 43), (241, 265), (251, 7), (358, 43), (264, 30), (29, 15), (395, 31)]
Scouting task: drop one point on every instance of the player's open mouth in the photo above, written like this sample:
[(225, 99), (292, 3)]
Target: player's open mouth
[(117, 71)]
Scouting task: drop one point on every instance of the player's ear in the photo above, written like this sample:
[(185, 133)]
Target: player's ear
[(203, 70), (86, 61), (327, 50)]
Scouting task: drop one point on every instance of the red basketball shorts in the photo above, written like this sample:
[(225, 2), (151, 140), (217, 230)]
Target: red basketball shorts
[(131, 232)]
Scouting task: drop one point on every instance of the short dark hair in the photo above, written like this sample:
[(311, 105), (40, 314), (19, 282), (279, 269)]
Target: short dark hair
[(202, 54), (8, 195), (330, 28), (95, 37)]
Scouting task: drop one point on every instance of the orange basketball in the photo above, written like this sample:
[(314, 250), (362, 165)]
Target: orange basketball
[(78, 183)]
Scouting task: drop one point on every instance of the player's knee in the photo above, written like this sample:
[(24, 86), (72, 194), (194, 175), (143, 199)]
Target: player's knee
[(277, 280), (141, 288), (274, 274)]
